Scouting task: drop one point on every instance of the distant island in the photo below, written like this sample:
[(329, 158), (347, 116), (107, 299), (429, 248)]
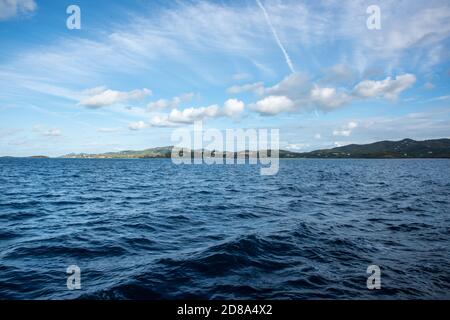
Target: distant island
[(407, 148)]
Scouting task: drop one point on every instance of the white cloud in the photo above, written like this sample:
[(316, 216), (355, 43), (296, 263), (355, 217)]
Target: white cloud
[(424, 27), (11, 8), (328, 98), (352, 125), (293, 92), (233, 108), (273, 105), (138, 125), (410, 32), (173, 33), (388, 88), (101, 97), (95, 91), (317, 136), (161, 121), (346, 130), (170, 103), (212, 28), (297, 91), (297, 146), (190, 115), (294, 85)]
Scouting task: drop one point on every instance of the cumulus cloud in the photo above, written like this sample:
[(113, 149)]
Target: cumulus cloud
[(161, 121), (388, 88), (102, 97), (233, 108), (346, 130), (186, 116), (170, 103), (190, 115), (328, 98), (272, 105), (138, 125), (296, 92), (11, 8)]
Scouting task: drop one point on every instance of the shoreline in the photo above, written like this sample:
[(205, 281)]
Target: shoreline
[(289, 158)]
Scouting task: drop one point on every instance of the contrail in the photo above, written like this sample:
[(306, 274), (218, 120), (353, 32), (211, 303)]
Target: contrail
[(277, 39)]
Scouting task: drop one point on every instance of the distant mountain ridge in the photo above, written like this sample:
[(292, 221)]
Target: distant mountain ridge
[(407, 148)]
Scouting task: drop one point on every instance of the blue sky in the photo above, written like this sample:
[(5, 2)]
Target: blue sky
[(138, 69)]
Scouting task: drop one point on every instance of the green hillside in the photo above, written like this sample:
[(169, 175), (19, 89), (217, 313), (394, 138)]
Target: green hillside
[(407, 148)]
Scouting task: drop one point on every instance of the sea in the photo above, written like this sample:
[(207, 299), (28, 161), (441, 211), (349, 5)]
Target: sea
[(150, 229)]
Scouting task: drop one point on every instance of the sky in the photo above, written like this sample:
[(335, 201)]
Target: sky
[(138, 70)]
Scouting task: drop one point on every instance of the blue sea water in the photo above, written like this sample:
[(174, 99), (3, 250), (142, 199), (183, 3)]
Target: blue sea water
[(148, 229)]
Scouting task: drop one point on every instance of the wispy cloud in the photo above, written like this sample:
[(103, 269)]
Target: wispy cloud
[(346, 130), (52, 132), (101, 97), (170, 103), (11, 8), (388, 88), (277, 38)]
